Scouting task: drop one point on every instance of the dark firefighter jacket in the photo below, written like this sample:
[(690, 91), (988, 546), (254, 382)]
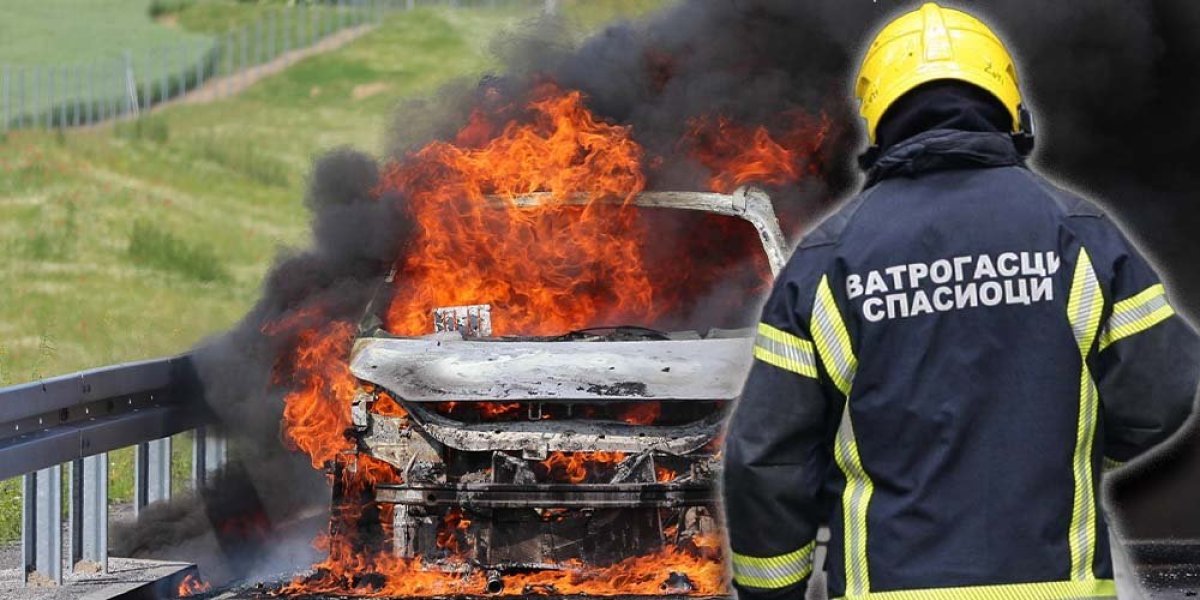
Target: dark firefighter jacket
[(943, 371)]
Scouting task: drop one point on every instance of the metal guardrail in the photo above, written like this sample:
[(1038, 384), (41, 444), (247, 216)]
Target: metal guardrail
[(75, 420)]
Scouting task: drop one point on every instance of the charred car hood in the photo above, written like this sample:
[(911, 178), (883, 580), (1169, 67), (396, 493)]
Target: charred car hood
[(440, 370)]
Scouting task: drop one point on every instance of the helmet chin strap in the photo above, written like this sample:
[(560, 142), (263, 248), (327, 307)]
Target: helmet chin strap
[(1024, 139)]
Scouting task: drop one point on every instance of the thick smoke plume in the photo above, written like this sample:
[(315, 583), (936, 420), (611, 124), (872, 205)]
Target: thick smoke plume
[(1112, 83)]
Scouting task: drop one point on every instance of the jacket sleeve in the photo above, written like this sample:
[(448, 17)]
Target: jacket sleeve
[(1148, 363), (776, 457)]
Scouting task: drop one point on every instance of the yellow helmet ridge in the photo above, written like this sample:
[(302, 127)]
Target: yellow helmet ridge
[(931, 44)]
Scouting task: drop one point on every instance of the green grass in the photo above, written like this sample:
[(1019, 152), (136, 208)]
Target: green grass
[(151, 246), (55, 32), (136, 241)]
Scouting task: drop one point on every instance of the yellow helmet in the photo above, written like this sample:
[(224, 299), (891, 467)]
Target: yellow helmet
[(932, 44)]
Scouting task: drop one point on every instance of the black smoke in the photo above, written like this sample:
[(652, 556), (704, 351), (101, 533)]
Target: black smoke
[(1112, 83)]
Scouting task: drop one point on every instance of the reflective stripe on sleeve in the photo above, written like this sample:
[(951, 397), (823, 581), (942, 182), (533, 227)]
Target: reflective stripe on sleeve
[(1084, 309), (786, 351), (1137, 314), (774, 572), (1097, 588)]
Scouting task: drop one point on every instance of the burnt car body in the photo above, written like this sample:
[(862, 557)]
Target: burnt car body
[(561, 396)]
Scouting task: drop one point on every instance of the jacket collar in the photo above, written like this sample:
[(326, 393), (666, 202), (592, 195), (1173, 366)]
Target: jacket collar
[(944, 149)]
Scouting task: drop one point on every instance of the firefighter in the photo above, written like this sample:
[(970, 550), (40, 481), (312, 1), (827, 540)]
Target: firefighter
[(949, 362)]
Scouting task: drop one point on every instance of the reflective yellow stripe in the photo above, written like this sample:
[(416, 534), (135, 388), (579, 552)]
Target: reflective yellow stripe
[(1097, 588), (855, 500), (786, 351), (1084, 310), (832, 340), (1137, 314), (775, 571)]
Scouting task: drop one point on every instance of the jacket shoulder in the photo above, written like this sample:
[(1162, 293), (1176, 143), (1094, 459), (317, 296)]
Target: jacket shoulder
[(1072, 205), (830, 231)]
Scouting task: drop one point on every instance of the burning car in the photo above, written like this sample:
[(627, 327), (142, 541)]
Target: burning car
[(532, 401), (519, 454)]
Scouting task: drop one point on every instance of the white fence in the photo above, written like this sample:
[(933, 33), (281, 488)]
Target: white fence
[(50, 97)]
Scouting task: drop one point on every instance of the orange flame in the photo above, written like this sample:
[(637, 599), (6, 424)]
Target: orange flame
[(737, 155), (546, 269), (192, 585), (577, 467), (642, 413), (664, 475), (387, 406), (316, 411)]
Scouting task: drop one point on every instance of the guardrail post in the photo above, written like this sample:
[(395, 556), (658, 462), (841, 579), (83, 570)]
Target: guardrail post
[(89, 514), (152, 478), (42, 527), (208, 454)]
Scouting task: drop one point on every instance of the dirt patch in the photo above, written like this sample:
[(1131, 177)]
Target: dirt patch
[(367, 90)]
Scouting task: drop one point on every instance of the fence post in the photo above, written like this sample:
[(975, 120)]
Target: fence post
[(409, 4), (78, 117), (245, 52), (89, 514), (91, 95), (42, 526), (258, 42), (47, 98), (21, 103), (64, 96), (271, 23), (551, 7), (148, 84), (102, 98), (287, 30), (131, 99), (7, 96), (36, 103), (51, 106), (200, 60), (225, 85)]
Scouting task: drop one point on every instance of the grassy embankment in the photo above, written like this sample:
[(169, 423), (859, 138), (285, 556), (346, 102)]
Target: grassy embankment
[(137, 241)]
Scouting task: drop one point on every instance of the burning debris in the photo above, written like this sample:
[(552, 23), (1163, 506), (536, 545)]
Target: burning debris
[(191, 585)]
